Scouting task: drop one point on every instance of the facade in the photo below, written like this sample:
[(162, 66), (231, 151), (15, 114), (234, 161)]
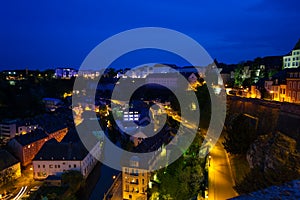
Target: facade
[(292, 60), (167, 80), (55, 158), (293, 86), (282, 93), (10, 168), (25, 147), (135, 180), (277, 89), (8, 128)]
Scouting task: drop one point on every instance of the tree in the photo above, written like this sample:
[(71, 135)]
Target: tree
[(203, 96), (182, 179), (74, 180), (241, 134)]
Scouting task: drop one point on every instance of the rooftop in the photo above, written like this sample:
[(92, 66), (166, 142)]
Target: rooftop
[(6, 160), (53, 150), (31, 137)]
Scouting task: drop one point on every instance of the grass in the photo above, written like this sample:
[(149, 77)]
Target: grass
[(239, 166)]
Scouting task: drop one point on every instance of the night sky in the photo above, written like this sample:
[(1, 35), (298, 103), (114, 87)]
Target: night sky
[(60, 33)]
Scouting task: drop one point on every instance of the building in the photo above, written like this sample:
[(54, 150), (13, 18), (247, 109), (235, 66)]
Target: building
[(293, 85), (282, 93), (54, 158), (278, 90), (8, 128), (292, 60), (10, 168), (276, 86), (11, 128), (65, 73), (171, 81), (135, 179), (25, 147)]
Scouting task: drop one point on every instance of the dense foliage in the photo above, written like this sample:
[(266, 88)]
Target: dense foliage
[(182, 179)]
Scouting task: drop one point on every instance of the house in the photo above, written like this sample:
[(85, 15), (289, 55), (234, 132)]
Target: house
[(54, 158), (25, 147), (11, 128), (164, 79), (135, 179), (65, 73), (137, 138), (293, 85), (9, 167), (292, 60)]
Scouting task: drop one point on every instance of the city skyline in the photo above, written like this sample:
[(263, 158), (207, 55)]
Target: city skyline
[(57, 34)]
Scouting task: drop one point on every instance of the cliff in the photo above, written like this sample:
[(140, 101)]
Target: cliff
[(273, 151)]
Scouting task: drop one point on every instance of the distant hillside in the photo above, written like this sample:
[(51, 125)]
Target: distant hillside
[(297, 46)]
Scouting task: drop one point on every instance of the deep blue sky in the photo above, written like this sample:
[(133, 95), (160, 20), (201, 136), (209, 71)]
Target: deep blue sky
[(46, 34)]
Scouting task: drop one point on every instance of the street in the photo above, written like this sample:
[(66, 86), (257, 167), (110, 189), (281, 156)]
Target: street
[(221, 183)]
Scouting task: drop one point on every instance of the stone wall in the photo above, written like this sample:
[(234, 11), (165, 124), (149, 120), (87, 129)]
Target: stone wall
[(272, 116)]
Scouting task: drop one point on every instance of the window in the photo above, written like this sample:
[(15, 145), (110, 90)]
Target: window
[(299, 85), (74, 165), (290, 85), (294, 85), (58, 166), (283, 91), (289, 93), (50, 166), (43, 166), (39, 166), (69, 166), (298, 96)]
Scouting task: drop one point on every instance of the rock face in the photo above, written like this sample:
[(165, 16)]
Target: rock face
[(287, 191), (272, 151)]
